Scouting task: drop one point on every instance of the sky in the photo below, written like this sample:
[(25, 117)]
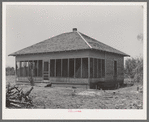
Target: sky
[(117, 26)]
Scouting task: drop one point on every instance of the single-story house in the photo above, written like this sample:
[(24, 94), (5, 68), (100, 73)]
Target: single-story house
[(69, 59)]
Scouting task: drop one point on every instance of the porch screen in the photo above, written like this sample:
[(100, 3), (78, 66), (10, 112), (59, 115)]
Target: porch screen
[(24, 69), (21, 68), (58, 67), (18, 69), (103, 68), (99, 68), (95, 68), (35, 66), (91, 67), (40, 68), (78, 68), (29, 66), (64, 67), (115, 68), (52, 67), (84, 67), (71, 67)]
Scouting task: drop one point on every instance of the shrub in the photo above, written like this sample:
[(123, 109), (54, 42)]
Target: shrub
[(134, 69), (10, 71)]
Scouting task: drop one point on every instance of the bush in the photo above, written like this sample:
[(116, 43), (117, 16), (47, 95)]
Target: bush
[(10, 71), (134, 69)]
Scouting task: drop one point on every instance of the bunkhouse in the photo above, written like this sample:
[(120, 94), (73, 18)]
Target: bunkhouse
[(71, 59)]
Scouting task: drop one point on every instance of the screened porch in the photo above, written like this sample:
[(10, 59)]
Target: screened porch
[(62, 68)]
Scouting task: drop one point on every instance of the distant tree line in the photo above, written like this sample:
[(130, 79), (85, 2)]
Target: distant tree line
[(10, 71)]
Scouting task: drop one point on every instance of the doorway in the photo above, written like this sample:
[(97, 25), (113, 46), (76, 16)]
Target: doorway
[(46, 70)]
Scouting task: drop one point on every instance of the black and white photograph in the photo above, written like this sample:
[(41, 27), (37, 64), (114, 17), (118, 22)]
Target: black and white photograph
[(74, 60)]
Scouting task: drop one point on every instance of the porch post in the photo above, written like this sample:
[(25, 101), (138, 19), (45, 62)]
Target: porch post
[(37, 67), (93, 68), (74, 67), (20, 70), (28, 69), (105, 64), (55, 69), (81, 67), (89, 71), (49, 70), (43, 69), (68, 68), (15, 70), (61, 67), (101, 67), (97, 68)]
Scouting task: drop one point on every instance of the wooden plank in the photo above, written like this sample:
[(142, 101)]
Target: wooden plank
[(93, 68), (55, 69), (49, 69), (97, 69), (42, 69), (20, 69), (37, 67), (68, 68), (89, 71), (88, 67)]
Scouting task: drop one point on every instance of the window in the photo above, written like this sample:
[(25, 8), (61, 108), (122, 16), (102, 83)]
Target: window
[(78, 68), (84, 67), (58, 67), (64, 67), (52, 67), (71, 67), (115, 68)]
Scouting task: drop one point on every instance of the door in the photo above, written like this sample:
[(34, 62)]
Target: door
[(46, 70)]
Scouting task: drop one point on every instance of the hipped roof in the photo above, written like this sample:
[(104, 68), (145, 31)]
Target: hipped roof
[(67, 42)]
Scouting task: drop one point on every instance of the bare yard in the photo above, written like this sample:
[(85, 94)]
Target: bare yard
[(67, 98)]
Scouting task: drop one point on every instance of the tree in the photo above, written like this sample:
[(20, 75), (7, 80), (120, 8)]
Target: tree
[(10, 71)]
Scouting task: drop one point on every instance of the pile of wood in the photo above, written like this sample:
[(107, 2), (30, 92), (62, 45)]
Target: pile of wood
[(16, 98)]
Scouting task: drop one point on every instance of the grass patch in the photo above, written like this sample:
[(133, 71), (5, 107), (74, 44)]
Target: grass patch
[(81, 98)]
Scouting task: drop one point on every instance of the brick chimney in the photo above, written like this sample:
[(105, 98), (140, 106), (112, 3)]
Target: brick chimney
[(74, 29)]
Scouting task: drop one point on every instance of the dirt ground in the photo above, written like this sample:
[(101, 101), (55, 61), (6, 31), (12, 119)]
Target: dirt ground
[(81, 98)]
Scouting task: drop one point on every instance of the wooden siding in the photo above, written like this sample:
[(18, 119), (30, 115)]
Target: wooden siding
[(69, 80), (110, 58), (58, 55), (36, 79), (97, 54)]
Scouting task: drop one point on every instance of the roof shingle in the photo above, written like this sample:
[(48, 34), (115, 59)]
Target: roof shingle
[(67, 42)]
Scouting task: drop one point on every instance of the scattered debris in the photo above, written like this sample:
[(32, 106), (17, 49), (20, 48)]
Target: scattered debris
[(15, 97), (49, 85), (140, 89)]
